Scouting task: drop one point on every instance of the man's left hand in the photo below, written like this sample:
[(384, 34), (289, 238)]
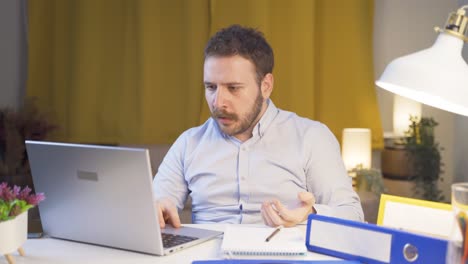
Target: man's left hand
[(274, 213)]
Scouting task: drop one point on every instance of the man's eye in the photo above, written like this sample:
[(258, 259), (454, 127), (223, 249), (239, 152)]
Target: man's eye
[(210, 87), (233, 88)]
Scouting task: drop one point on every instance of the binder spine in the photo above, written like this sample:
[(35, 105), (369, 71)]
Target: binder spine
[(394, 246)]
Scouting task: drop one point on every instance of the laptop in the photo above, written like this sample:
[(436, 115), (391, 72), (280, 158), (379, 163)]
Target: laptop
[(103, 195)]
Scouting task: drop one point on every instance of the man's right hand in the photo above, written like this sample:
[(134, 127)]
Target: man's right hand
[(167, 213)]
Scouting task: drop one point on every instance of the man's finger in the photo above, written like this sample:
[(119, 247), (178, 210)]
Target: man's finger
[(284, 212), (274, 213), (307, 198), (174, 217), (267, 219), (265, 216), (162, 223)]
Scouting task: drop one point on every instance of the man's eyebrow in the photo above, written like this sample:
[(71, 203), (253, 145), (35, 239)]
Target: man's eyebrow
[(227, 83)]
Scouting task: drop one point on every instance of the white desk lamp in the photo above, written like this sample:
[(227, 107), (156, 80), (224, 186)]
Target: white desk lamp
[(437, 76)]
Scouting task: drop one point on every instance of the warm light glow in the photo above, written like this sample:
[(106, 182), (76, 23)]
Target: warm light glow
[(403, 108), (356, 147)]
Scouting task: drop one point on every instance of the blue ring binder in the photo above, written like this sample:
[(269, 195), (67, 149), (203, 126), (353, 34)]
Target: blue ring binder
[(354, 238)]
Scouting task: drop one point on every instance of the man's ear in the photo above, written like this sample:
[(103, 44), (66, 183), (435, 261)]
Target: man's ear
[(267, 85)]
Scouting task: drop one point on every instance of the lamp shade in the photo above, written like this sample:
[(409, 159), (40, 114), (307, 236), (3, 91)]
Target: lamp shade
[(437, 76), (356, 147)]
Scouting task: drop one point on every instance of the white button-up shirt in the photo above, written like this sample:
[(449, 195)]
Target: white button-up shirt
[(228, 180)]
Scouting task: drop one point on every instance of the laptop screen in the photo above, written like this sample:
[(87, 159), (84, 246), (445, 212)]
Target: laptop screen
[(96, 194)]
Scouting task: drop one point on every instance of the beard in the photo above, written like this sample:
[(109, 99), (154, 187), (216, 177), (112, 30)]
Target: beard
[(241, 124)]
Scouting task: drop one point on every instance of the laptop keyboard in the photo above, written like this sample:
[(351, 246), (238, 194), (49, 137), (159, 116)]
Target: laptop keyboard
[(170, 240)]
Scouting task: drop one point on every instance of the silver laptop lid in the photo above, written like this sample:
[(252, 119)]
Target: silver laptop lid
[(96, 194)]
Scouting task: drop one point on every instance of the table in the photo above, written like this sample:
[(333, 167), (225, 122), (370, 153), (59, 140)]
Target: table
[(55, 251)]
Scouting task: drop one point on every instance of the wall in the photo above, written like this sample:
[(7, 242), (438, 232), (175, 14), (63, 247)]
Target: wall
[(403, 27), (12, 52)]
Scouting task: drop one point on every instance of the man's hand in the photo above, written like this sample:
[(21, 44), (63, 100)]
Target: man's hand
[(274, 213), (167, 213)]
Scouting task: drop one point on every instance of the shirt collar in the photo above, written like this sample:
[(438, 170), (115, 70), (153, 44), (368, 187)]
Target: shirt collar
[(266, 119)]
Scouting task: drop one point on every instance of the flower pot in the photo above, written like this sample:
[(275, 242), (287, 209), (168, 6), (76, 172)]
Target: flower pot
[(396, 164), (14, 233)]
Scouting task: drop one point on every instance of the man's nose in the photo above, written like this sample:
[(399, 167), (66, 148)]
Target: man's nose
[(220, 98)]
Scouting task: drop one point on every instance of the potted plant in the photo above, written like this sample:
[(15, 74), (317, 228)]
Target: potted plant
[(14, 205), (369, 180), (423, 154)]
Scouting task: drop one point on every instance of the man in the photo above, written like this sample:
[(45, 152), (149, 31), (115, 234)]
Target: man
[(251, 162)]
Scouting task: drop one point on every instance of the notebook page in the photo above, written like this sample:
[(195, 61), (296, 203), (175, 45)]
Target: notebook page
[(247, 240)]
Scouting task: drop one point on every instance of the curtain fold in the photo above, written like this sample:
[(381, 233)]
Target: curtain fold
[(119, 71), (345, 90)]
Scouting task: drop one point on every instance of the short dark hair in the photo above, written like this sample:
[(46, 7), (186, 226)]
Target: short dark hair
[(246, 42)]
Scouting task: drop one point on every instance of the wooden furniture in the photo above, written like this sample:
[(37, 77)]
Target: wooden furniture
[(396, 171)]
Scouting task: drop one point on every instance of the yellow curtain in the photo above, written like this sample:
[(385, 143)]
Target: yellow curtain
[(121, 71), (118, 71)]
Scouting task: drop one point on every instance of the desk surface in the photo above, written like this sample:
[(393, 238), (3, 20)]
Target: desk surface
[(54, 251)]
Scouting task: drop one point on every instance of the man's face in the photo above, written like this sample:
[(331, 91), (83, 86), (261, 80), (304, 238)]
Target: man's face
[(235, 100)]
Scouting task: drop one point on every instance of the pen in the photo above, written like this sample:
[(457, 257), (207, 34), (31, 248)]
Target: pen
[(274, 233)]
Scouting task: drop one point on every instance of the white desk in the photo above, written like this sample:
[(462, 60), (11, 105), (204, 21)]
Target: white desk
[(55, 251)]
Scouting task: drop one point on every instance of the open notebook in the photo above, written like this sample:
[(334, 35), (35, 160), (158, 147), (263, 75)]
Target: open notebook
[(248, 240)]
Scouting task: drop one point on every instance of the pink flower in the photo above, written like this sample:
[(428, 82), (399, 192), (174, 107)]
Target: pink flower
[(24, 193), (34, 199), (16, 190), (6, 193)]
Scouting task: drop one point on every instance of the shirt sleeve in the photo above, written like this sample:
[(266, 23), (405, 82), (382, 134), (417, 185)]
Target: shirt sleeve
[(169, 181), (327, 178)]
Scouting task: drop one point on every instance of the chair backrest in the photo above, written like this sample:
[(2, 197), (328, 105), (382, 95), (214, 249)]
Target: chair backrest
[(414, 215), (157, 153)]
